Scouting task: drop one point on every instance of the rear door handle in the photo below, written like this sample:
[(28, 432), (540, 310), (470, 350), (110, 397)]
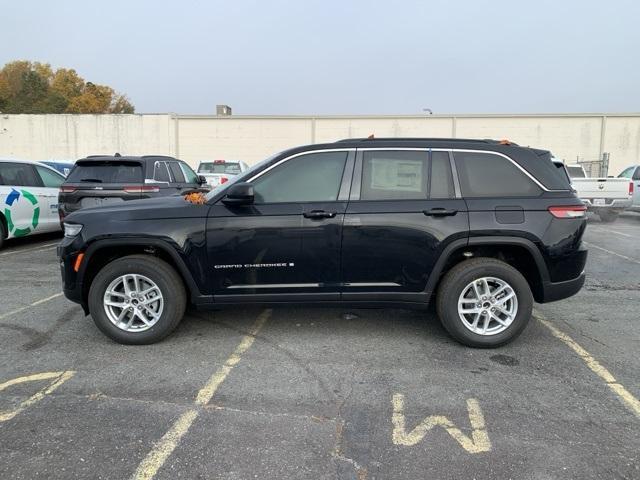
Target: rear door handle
[(318, 214), (440, 212)]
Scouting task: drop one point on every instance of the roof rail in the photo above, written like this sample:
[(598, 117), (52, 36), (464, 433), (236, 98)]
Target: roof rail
[(432, 139)]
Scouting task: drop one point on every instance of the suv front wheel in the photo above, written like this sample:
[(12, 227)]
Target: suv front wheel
[(137, 299), (484, 302)]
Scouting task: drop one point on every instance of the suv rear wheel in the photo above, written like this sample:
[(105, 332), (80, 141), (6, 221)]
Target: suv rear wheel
[(484, 302), (138, 299)]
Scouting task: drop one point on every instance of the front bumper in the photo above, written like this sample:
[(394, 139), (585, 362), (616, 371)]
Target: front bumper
[(552, 291), (68, 251)]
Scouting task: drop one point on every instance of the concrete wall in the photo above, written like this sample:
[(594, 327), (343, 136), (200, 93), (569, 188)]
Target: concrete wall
[(251, 138)]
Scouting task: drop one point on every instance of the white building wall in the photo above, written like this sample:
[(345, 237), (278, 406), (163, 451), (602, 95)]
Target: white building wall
[(251, 138)]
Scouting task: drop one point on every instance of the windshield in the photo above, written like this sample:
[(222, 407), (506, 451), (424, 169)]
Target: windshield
[(241, 178), (231, 168), (106, 172)]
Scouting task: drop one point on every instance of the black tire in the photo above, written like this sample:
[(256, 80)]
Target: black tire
[(459, 277), (607, 216), (163, 275)]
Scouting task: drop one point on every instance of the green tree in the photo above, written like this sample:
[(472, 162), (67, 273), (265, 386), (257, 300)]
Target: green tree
[(33, 87)]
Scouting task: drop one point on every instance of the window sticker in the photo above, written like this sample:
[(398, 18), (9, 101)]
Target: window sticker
[(405, 175)]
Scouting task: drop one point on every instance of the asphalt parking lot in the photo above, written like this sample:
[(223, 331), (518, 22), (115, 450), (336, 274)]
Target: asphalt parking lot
[(322, 393)]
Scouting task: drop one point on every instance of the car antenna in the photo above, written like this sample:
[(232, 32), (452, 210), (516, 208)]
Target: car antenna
[(117, 155)]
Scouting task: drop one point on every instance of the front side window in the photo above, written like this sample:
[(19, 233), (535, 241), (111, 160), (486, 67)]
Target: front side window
[(189, 174), (19, 175), (489, 175), (314, 177), (49, 178)]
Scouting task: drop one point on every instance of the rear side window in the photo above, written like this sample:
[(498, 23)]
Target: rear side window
[(161, 172), (50, 179), (176, 172), (314, 177), (441, 177), (106, 172), (394, 175), (19, 174), (490, 175)]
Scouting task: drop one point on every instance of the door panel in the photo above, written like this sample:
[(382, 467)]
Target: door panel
[(274, 249), (394, 228), (393, 246), (285, 246)]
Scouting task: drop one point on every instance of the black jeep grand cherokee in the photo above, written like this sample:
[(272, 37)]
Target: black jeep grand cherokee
[(486, 227)]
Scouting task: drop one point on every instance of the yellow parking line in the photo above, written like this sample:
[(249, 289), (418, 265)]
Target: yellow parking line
[(623, 394), (35, 249), (168, 443), (611, 252), (34, 304)]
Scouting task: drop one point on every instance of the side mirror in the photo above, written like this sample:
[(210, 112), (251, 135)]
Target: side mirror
[(202, 180), (240, 193)]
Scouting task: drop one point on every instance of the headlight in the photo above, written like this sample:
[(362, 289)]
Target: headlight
[(72, 229)]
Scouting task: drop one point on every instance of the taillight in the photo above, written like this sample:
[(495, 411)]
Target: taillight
[(568, 212), (223, 180), (631, 189), (141, 189), (66, 189)]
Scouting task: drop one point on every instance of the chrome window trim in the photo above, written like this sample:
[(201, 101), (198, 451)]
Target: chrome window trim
[(299, 154), (415, 149)]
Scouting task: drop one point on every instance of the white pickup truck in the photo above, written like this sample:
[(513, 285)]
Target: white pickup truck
[(607, 197)]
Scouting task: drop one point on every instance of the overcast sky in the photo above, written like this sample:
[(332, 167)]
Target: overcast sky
[(340, 56)]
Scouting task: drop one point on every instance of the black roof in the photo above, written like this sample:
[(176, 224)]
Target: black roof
[(120, 158)]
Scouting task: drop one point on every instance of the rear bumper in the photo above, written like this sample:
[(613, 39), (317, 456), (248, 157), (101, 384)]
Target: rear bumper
[(553, 291), (616, 203)]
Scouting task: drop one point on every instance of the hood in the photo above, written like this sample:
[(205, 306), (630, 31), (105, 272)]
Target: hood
[(159, 208)]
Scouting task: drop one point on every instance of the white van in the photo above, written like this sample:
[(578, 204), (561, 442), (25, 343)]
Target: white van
[(28, 199)]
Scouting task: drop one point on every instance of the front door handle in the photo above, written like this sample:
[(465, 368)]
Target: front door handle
[(439, 212), (318, 214)]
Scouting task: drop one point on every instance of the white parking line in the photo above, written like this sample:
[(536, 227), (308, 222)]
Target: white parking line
[(630, 259), (607, 230), (46, 246), (622, 393), (34, 304), (168, 443)]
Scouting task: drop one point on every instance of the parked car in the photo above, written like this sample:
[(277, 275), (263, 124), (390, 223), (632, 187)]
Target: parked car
[(607, 197), (384, 222), (106, 180), (63, 167), (28, 199), (218, 172), (632, 173)]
